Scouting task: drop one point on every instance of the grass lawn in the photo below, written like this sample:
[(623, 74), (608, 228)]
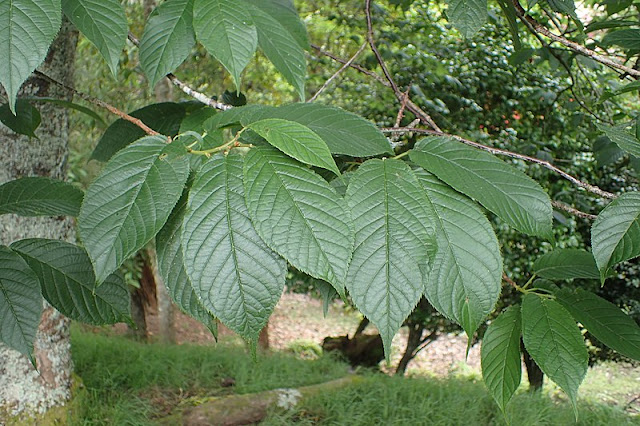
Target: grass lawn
[(130, 383)]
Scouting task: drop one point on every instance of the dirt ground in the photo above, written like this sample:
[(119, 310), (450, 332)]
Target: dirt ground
[(298, 321)]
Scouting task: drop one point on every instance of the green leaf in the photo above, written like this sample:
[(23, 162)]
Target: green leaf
[(130, 201), (510, 194), (615, 234), (286, 14), (567, 7), (520, 56), (25, 121), (40, 196), (164, 118), (468, 16), (20, 302), (68, 283), (27, 28), (622, 138), (627, 38), (296, 141), (167, 39), (612, 23), (634, 86), (553, 340), (327, 292), (343, 132), (394, 237), (237, 277), (466, 276), (172, 270), (67, 104), (512, 20), (226, 29), (195, 120), (615, 6), (285, 198), (103, 22), (566, 264), (282, 49), (500, 356), (604, 320), (606, 152), (244, 114)]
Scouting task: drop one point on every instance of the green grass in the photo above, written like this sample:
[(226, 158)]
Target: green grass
[(131, 383), (455, 401)]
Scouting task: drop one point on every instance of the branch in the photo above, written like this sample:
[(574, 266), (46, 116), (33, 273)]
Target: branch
[(425, 342), (536, 27), (424, 117), (399, 130), (567, 208), (97, 102), (509, 281), (496, 151), (346, 65), (199, 96)]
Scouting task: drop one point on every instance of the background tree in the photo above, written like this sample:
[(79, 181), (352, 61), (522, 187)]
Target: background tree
[(45, 154)]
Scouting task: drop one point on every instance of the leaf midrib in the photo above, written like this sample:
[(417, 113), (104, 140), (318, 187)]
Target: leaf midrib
[(228, 212), (556, 346), (15, 315), (95, 295), (169, 35), (306, 221), (605, 325), (494, 186), (134, 197)]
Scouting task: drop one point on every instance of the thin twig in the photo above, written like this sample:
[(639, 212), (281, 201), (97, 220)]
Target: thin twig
[(567, 68), (402, 107), (426, 118), (584, 185), (357, 67), (535, 26), (199, 96), (97, 102), (567, 208), (337, 73), (509, 281)]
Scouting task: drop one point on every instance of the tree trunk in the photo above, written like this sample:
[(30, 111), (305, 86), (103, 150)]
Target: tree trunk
[(534, 374), (413, 341), (23, 390), (361, 327), (263, 338)]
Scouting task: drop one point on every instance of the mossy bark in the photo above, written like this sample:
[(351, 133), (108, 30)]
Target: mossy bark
[(23, 390)]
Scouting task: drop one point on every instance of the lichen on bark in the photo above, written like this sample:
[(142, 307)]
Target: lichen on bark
[(23, 390)]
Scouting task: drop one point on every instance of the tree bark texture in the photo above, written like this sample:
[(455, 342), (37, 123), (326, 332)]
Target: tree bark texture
[(23, 390)]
